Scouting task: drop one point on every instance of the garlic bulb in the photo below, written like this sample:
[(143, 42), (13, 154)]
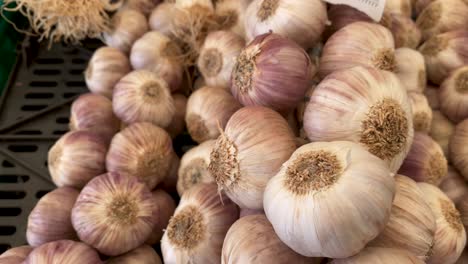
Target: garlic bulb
[(458, 149), (454, 185), (411, 226), (375, 255), (63, 251), (196, 232), (143, 96), (272, 71), (208, 111), (432, 95), (254, 145), (343, 15), (252, 239), (422, 112), (177, 124), (170, 181), (93, 112), (218, 57), (454, 95), (450, 237), (231, 15), (141, 150), (246, 212), (76, 158), (143, 6), (127, 26), (165, 208), (444, 53), (442, 16), (358, 44), (50, 218), (194, 167), (362, 105), (114, 214), (142, 255), (160, 18), (441, 131), (404, 30), (157, 53), (419, 5), (105, 68), (329, 188), (15, 255), (402, 7), (410, 69)]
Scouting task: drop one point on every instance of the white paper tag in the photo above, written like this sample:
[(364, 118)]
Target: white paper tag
[(373, 8)]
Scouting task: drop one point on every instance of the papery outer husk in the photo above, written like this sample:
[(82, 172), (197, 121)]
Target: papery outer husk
[(229, 46), (157, 53), (341, 16), (239, 7), (96, 228), (208, 111), (50, 219), (375, 255), (281, 75), (419, 5), (170, 181), (63, 251), (177, 124), (341, 102), (453, 102), (141, 255), (354, 45), (15, 255), (160, 18), (404, 30), (432, 95), (252, 239), (127, 26), (143, 6), (441, 131), (264, 141), (412, 225), (454, 185), (76, 158), (458, 149), (410, 69), (93, 112), (422, 112), (308, 223), (448, 243), (218, 212), (402, 7), (453, 56), (195, 155), (246, 212), (166, 207), (137, 143), (105, 68)]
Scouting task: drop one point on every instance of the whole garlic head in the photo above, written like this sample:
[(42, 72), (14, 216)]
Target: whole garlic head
[(63, 251), (376, 255)]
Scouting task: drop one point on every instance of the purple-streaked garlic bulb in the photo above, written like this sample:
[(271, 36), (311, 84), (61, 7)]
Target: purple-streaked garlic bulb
[(15, 255), (63, 251), (165, 207)]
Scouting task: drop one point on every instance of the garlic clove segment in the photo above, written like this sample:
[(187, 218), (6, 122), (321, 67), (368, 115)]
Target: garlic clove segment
[(410, 69), (441, 131), (141, 150), (177, 124), (454, 95), (218, 56), (63, 251), (422, 112), (208, 111), (412, 225), (196, 232), (105, 68), (143, 6), (114, 214), (141, 255), (454, 186), (329, 188), (76, 158), (165, 208), (376, 255), (458, 149), (252, 239), (231, 15), (363, 105), (272, 71), (50, 219), (450, 237), (15, 255), (256, 141)]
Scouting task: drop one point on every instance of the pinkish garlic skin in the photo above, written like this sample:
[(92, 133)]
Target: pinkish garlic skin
[(63, 251), (247, 212), (166, 207), (141, 255), (343, 15), (15, 255)]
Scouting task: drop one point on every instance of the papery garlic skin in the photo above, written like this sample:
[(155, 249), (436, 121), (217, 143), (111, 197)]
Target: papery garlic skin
[(143, 96), (165, 208), (194, 167), (454, 186), (191, 3), (15, 255), (143, 6), (63, 251), (141, 150), (50, 220), (376, 255), (114, 214), (419, 5), (450, 236), (218, 56), (441, 131), (196, 232), (404, 30), (318, 192), (127, 26), (402, 7), (422, 112), (252, 239), (76, 158), (458, 149), (208, 111), (141, 255), (254, 145), (343, 15), (160, 18), (231, 15), (363, 105), (410, 69), (246, 212), (358, 44), (177, 124), (412, 225), (432, 95), (157, 53), (105, 68), (454, 95)]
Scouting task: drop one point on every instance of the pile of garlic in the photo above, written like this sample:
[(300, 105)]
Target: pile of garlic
[(319, 136)]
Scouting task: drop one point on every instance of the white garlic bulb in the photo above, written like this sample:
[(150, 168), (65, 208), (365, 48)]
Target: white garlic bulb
[(404, 30), (375, 255), (441, 131), (458, 149), (329, 188), (453, 95), (231, 15), (410, 69), (422, 112), (127, 26), (160, 18)]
